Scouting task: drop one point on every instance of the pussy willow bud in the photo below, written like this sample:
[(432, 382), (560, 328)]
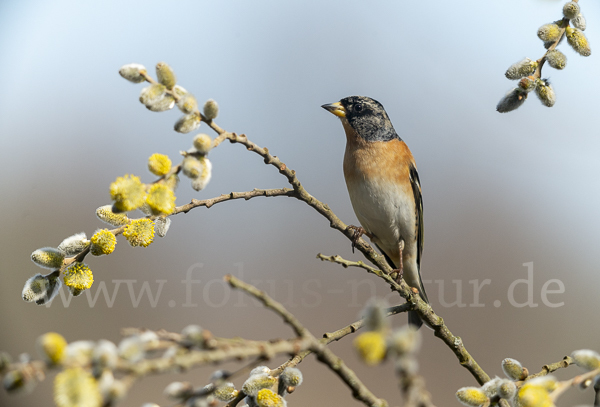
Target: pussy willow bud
[(371, 347), (187, 103), (41, 289), (132, 349), (260, 370), (192, 336), (513, 369), (490, 388), (105, 355), (76, 387), (179, 91), (202, 143), (165, 75), (266, 398), (203, 179), (556, 59), (578, 42), (105, 214), (151, 94), (549, 32), (161, 226), (52, 347), (191, 167), (579, 22), (226, 392), (133, 72), (14, 381), (290, 377), (374, 315), (78, 276), (103, 242), (48, 257), (140, 232), (527, 84), (128, 192), (471, 396), (179, 390), (79, 352), (160, 199), (159, 164), (73, 245), (187, 123), (545, 92), (586, 359), (211, 109), (512, 100), (521, 69), (570, 10), (403, 341), (161, 105), (507, 389), (255, 383)]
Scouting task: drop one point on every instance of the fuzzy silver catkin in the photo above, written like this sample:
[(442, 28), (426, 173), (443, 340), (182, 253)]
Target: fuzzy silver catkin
[(545, 92), (133, 72), (578, 41), (521, 69), (512, 100), (570, 10), (549, 32), (579, 22), (187, 123), (556, 59)]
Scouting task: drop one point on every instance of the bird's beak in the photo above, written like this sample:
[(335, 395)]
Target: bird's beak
[(335, 108)]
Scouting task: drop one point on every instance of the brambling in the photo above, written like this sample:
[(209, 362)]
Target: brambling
[(384, 187)]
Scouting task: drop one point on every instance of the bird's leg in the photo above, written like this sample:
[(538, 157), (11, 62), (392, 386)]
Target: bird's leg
[(400, 269), (358, 232)]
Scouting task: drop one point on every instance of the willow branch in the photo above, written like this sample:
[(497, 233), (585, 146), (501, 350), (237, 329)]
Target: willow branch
[(232, 196), (324, 354)]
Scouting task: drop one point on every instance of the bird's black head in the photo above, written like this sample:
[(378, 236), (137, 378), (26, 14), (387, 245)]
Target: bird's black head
[(366, 116)]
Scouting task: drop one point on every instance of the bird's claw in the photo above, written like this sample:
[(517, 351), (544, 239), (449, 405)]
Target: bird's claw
[(358, 232)]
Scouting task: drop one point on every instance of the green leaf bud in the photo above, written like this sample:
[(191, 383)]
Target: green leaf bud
[(513, 369), (371, 347), (187, 103), (266, 398), (73, 245), (187, 123), (192, 336), (133, 73), (521, 69), (586, 359), (374, 315), (211, 109), (48, 257), (161, 105), (140, 232), (78, 276), (403, 341), (151, 94), (75, 387), (512, 100), (159, 164), (202, 143), (545, 92), (570, 10), (165, 75), (52, 347), (578, 42), (579, 22), (132, 349), (257, 382), (161, 199), (549, 32), (472, 396), (179, 390), (226, 392), (128, 192), (203, 179), (556, 59), (161, 226), (106, 215), (103, 242)]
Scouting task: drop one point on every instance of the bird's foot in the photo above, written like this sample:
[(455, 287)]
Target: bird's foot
[(358, 232), (400, 270)]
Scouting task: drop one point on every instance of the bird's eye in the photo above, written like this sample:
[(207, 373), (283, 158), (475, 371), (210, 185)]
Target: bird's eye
[(358, 107)]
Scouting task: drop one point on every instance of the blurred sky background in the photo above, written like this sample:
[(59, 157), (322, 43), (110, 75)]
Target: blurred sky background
[(500, 190)]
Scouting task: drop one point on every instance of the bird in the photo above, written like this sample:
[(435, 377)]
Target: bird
[(384, 187)]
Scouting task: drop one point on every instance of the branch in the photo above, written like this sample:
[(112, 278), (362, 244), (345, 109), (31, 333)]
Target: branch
[(325, 355), (231, 196)]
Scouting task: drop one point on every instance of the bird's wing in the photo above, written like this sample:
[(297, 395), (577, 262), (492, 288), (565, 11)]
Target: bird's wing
[(416, 187)]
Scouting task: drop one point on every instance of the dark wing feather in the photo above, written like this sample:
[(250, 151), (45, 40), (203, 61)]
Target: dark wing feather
[(416, 187)]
